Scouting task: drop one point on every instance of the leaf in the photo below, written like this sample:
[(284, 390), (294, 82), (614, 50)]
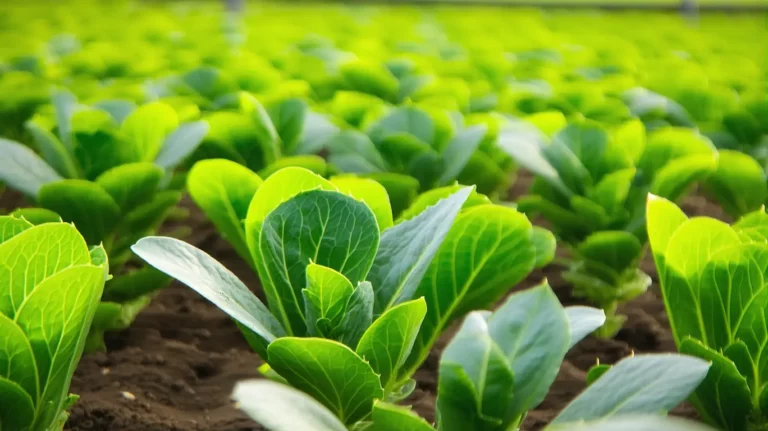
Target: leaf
[(84, 203), (723, 398), (373, 194), (663, 218), (402, 189), (224, 191), (487, 250), (328, 228), (131, 184), (406, 119), (57, 344), (48, 249), (619, 250), (738, 183), (588, 142), (352, 151), (146, 129), (97, 143), (325, 297), (210, 279), (370, 78), (633, 423), (22, 169), (134, 284), (17, 361), (12, 226), (322, 369), (406, 251), (180, 143), (545, 244), (316, 133), (281, 408), (475, 388), (532, 330), (288, 119), (391, 417), (458, 151), (670, 143), (359, 315), (65, 105), (641, 384), (672, 180), (311, 162), (36, 216), (118, 109), (18, 411), (53, 151), (582, 321), (387, 343)]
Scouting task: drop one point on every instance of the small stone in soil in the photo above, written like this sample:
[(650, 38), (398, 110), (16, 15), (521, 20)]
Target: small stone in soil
[(128, 396)]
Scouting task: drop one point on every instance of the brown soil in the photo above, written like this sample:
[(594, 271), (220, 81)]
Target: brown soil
[(174, 369)]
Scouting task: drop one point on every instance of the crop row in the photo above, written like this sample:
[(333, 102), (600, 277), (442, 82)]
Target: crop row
[(359, 160)]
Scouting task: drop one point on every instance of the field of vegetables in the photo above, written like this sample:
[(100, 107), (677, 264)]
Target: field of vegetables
[(382, 218)]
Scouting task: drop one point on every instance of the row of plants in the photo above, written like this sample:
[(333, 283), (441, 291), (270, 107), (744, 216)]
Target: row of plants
[(335, 165)]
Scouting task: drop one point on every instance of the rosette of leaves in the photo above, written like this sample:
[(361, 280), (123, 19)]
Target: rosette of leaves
[(50, 287), (712, 278), (590, 185), (108, 170), (408, 150), (23, 93), (497, 367), (349, 292), (286, 133)]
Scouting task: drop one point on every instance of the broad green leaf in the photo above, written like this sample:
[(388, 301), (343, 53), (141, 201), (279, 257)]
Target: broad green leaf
[(582, 321), (84, 203), (288, 119), (754, 224), (568, 223), (12, 226), (672, 180), (325, 297), (18, 410), (148, 216), (545, 244), (266, 129), (487, 250), (36, 216), (642, 384), (632, 423), (224, 191), (322, 368), (57, 345), (373, 194), (596, 372), (738, 183), (146, 128), (210, 279), (406, 119), (17, 361), (526, 145), (131, 184), (387, 343), (370, 78), (233, 135), (391, 417), (406, 250), (325, 227), (48, 249), (667, 144), (618, 250), (118, 109), (612, 191), (352, 151), (97, 143), (723, 398), (318, 130), (588, 142), (281, 408), (458, 151), (53, 151), (358, 316), (402, 150), (631, 137), (475, 388), (23, 170), (663, 218), (180, 143), (532, 330), (65, 106)]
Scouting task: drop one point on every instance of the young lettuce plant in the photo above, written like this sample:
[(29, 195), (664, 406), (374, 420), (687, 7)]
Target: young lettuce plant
[(108, 172), (286, 133), (497, 367), (50, 287), (348, 291), (590, 185), (712, 277), (408, 150)]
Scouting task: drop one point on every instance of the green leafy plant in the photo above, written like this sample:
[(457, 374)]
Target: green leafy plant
[(712, 277), (110, 172), (497, 367), (286, 133), (590, 185), (50, 287), (409, 149), (347, 289)]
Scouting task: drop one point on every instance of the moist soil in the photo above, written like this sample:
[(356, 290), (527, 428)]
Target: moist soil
[(175, 368)]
